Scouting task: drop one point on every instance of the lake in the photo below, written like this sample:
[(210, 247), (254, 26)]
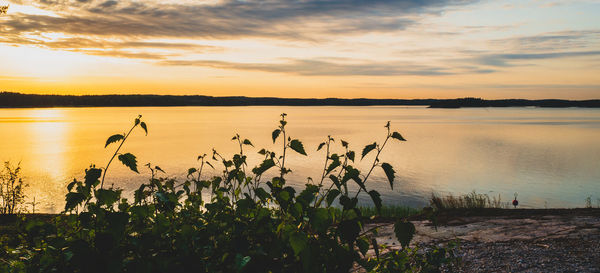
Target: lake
[(550, 157)]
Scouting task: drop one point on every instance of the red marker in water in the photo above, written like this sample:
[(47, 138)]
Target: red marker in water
[(515, 202)]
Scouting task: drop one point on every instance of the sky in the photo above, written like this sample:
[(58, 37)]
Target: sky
[(303, 48)]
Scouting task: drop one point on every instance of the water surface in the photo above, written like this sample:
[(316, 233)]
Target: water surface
[(551, 157)]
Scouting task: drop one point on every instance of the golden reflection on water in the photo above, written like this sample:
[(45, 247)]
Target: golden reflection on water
[(549, 156), (48, 139)]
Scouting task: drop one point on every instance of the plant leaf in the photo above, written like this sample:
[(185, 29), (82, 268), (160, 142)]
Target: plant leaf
[(404, 232), (262, 194), (389, 172), (107, 197), (320, 146), (143, 125), (344, 144), (320, 220), (368, 149), (247, 142), (113, 139), (349, 230), (71, 185), (352, 173), (298, 241), (398, 136), (130, 161), (240, 262), (363, 245), (350, 155), (264, 166), (275, 134), (335, 180), (331, 196), (159, 169), (297, 146), (334, 163), (375, 247), (376, 199), (73, 199)]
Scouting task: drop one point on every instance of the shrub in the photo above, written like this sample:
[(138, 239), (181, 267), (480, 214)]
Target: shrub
[(12, 196), (249, 223)]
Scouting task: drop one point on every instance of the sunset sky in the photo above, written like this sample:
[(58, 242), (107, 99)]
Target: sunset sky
[(303, 48)]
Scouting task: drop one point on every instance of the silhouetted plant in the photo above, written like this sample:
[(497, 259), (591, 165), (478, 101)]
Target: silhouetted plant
[(472, 200), (249, 224), (12, 187)]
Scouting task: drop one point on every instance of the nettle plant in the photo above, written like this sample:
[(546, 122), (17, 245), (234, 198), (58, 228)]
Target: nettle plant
[(249, 223)]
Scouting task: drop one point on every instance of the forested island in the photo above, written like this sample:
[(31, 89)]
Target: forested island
[(17, 100)]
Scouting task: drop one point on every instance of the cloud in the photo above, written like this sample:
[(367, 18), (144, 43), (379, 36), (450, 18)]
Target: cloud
[(125, 54), (505, 60), (330, 68), (79, 42), (553, 41), (126, 28), (111, 48), (541, 86), (225, 19)]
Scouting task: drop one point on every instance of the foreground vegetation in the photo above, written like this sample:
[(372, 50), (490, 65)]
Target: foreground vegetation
[(236, 222)]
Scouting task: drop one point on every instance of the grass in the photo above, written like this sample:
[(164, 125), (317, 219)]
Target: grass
[(471, 200), (390, 211), (387, 212)]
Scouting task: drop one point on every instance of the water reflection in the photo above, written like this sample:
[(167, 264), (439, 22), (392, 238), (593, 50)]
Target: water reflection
[(48, 140)]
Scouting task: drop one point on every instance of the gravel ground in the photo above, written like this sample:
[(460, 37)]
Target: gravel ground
[(551, 255), (525, 244)]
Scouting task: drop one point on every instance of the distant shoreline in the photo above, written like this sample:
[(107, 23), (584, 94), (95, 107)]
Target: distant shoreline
[(19, 100)]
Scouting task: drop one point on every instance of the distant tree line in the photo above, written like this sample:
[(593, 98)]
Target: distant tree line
[(13, 100), (477, 102)]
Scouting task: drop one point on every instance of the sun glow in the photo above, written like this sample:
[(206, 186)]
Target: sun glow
[(45, 114), (43, 64)]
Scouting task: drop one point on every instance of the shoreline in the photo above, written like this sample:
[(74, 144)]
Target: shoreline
[(19, 100)]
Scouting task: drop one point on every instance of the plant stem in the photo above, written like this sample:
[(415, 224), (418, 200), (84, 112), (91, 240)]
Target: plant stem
[(379, 149), (115, 154)]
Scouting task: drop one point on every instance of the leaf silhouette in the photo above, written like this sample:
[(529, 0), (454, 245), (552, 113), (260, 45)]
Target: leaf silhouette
[(320, 146), (404, 232), (398, 136), (376, 199), (297, 146), (389, 172), (143, 124), (275, 134), (368, 149), (130, 161), (113, 139), (247, 142)]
